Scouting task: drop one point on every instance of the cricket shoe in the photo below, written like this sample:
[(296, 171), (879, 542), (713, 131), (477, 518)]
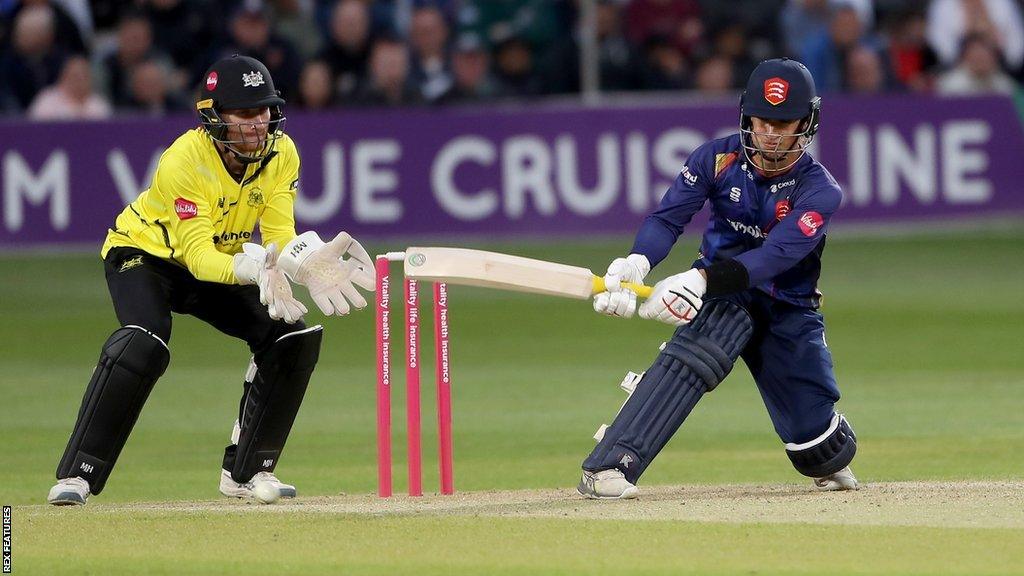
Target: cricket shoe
[(69, 492), (606, 485), (229, 487), (842, 480)]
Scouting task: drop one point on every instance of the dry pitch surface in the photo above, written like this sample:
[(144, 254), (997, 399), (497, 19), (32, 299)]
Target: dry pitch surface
[(983, 504)]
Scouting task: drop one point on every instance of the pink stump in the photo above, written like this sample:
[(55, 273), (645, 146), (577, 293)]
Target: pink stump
[(383, 380), (444, 389), (412, 387)]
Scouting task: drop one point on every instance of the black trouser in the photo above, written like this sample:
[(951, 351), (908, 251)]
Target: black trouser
[(145, 290), (145, 294)]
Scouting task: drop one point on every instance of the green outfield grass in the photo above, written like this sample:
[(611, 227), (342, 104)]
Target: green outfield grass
[(928, 347)]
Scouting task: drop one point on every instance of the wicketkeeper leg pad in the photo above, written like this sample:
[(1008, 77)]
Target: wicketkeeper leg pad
[(130, 363), (273, 400), (826, 454), (694, 362)]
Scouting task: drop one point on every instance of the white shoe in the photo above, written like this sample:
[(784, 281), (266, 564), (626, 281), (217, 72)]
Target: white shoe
[(69, 492), (229, 487), (606, 485), (842, 480)]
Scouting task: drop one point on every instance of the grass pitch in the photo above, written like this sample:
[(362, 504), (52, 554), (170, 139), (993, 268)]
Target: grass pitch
[(925, 333)]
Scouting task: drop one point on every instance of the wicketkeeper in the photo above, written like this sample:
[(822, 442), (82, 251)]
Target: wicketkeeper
[(182, 247), (752, 292)]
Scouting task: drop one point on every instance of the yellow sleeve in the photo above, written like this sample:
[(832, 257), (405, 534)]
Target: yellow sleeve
[(190, 221), (277, 224)]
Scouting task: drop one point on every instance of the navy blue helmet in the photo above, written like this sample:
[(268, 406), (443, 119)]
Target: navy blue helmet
[(780, 89)]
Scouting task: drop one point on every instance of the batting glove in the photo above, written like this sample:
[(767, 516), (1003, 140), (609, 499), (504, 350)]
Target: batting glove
[(616, 300), (676, 300)]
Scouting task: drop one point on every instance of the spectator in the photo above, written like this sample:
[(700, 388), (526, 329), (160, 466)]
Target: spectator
[(730, 42), (33, 62), (293, 21), (185, 30), (151, 92), (72, 97), (715, 76), (951, 21), (865, 73), (513, 63), (913, 60), (348, 47), (678, 21), (251, 36), (388, 82), (316, 86), (134, 45), (472, 80), (825, 54), (665, 67), (619, 65), (978, 71), (428, 37), (68, 36), (802, 20)]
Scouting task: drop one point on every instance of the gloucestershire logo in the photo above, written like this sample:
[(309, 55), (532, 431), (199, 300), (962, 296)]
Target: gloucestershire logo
[(255, 197), (253, 79), (417, 259), (775, 90)]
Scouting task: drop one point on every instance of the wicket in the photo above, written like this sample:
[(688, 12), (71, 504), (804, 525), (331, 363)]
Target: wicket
[(412, 381)]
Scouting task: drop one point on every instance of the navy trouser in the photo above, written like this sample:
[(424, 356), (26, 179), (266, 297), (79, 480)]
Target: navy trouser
[(791, 364)]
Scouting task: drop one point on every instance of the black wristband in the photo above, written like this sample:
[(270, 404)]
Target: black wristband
[(726, 277)]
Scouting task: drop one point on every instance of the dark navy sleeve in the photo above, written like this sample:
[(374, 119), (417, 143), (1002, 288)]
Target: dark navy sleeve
[(683, 199), (795, 236)]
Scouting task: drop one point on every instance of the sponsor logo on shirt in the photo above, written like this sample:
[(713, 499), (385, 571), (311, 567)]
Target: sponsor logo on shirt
[(231, 237), (776, 187), (810, 222), (775, 90), (688, 176), (746, 229), (734, 194), (185, 209)]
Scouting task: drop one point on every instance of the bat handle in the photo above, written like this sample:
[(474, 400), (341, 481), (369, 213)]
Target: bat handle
[(640, 289)]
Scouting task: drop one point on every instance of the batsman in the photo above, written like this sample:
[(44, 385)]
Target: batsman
[(183, 246), (751, 294)]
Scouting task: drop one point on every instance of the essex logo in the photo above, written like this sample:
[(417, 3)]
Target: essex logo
[(131, 263), (211, 81), (775, 90), (255, 197), (810, 222), (781, 209), (185, 209)]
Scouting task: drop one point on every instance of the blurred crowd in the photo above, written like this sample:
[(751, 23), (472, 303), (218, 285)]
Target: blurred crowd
[(92, 58)]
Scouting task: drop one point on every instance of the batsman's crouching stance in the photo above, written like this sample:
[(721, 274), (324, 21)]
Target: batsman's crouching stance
[(181, 247), (751, 294)]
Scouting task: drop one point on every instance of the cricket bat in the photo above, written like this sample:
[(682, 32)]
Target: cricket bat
[(506, 272)]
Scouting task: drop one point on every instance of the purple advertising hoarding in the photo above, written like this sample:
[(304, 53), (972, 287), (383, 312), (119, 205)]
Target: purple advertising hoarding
[(542, 170)]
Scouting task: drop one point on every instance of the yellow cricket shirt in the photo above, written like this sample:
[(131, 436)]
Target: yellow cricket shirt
[(197, 215)]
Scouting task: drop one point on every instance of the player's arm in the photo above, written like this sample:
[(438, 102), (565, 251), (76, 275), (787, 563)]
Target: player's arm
[(277, 224), (657, 235)]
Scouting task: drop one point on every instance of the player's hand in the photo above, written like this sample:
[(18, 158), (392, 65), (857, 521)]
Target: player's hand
[(676, 300), (619, 301), (330, 277), (256, 265)]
